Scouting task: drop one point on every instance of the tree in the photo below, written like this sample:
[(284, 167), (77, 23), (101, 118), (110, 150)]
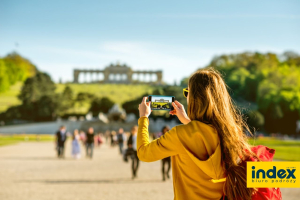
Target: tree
[(36, 87), (46, 108), (68, 93), (23, 64), (14, 73), (4, 80), (255, 120), (132, 105), (101, 105), (39, 101), (250, 88), (292, 58), (236, 80), (12, 113), (84, 96), (66, 99), (279, 102), (184, 82), (14, 68), (272, 84)]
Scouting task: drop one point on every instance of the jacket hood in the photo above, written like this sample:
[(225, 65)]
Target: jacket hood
[(212, 166), (201, 143)]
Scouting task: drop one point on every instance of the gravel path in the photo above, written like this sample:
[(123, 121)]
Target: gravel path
[(31, 171)]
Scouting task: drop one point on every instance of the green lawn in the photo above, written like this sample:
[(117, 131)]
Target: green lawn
[(288, 150), (9, 98), (119, 93), (13, 139)]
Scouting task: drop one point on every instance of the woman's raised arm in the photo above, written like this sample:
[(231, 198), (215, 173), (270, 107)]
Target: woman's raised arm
[(165, 146)]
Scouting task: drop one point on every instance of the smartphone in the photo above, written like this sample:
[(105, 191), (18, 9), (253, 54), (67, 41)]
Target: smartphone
[(159, 102)]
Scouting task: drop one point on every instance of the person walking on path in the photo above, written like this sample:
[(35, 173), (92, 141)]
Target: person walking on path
[(208, 148), (90, 142), (82, 136), (167, 160), (131, 143), (121, 138), (76, 145), (61, 137), (107, 136), (113, 138)]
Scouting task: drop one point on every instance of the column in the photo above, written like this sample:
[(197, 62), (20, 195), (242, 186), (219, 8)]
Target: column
[(159, 77)]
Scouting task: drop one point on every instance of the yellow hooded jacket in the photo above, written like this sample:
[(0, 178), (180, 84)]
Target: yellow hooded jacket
[(195, 155)]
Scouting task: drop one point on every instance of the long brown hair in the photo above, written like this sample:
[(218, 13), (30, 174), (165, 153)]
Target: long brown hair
[(210, 102)]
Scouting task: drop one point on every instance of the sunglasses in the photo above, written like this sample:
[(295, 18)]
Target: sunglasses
[(185, 92)]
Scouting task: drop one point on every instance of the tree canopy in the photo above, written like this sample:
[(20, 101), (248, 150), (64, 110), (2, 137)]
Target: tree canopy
[(270, 81), (14, 68), (101, 105), (36, 87)]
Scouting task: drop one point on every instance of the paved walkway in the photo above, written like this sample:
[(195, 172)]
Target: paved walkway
[(31, 171)]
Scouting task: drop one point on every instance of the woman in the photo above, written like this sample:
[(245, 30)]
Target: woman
[(207, 149), (76, 145)]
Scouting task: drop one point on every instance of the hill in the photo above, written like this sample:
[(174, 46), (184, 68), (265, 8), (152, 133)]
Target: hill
[(9, 98), (117, 93)]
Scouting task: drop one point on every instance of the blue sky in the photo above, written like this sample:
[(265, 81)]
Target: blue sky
[(175, 36)]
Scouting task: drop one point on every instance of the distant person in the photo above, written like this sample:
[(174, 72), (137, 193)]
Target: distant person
[(76, 145), (113, 138), (99, 139), (121, 139), (107, 136), (89, 143), (131, 143), (82, 136), (167, 160), (61, 137), (154, 136)]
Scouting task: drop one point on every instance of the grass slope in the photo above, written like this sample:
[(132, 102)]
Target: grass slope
[(13, 139), (288, 150), (9, 98), (117, 93)]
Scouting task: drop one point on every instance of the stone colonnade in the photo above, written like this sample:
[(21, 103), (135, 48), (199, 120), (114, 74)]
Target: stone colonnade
[(119, 74)]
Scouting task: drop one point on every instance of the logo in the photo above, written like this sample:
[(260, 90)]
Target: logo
[(273, 174)]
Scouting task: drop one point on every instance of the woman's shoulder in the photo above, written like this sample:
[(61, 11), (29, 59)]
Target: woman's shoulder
[(197, 133), (196, 123), (196, 127)]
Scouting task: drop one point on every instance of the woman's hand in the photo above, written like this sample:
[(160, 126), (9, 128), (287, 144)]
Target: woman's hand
[(144, 108), (180, 112)]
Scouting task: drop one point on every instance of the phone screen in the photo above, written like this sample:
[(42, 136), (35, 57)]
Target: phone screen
[(161, 102)]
